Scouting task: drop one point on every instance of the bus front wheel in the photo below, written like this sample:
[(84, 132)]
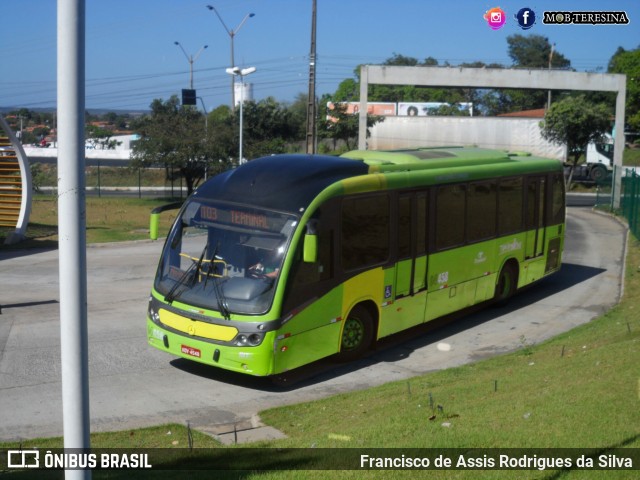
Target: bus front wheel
[(357, 334), (507, 284)]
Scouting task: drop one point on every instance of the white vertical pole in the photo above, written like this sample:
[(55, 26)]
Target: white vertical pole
[(72, 228), (362, 121), (240, 160), (618, 141)]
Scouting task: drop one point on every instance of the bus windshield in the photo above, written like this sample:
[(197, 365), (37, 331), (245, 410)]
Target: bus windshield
[(224, 257)]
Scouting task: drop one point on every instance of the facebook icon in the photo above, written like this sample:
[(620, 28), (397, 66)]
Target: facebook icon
[(525, 18)]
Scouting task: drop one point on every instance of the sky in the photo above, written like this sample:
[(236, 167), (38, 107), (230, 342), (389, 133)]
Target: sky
[(132, 59)]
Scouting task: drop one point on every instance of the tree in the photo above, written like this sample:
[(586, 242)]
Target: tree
[(574, 122), (175, 136), (101, 137), (533, 51), (268, 128), (628, 62), (348, 90), (342, 126), (298, 115)]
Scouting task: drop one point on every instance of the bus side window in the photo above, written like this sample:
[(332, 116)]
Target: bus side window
[(557, 200), (365, 231), (450, 216), (535, 202), (421, 241), (542, 199), (481, 211), (412, 222), (310, 280), (510, 206)]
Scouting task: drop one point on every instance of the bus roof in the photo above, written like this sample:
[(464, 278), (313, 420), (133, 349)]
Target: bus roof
[(286, 183), (428, 157), (448, 164), (290, 182)]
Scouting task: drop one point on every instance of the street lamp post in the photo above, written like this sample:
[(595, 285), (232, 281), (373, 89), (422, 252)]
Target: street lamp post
[(232, 34), (553, 46), (240, 72), (190, 59)]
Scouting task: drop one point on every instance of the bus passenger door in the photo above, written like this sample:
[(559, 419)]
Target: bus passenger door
[(411, 266), (405, 264), (535, 209)]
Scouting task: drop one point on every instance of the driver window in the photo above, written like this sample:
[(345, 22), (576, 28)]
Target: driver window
[(308, 273)]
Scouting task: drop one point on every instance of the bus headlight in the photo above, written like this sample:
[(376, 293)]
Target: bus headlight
[(249, 340), (153, 314)]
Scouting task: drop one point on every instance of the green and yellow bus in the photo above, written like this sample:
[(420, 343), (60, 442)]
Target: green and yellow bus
[(289, 259)]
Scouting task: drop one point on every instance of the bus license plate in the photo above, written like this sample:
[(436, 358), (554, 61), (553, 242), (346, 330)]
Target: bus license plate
[(187, 350)]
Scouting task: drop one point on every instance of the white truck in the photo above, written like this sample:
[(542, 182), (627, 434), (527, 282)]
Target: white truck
[(598, 165)]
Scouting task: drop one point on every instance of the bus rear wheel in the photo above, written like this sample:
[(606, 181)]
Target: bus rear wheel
[(507, 284), (357, 334)]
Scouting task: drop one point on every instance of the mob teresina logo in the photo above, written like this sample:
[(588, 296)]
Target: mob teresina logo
[(586, 18)]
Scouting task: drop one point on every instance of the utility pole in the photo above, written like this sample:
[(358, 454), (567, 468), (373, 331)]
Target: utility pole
[(240, 72), (232, 35), (311, 100), (550, 59), (191, 59)]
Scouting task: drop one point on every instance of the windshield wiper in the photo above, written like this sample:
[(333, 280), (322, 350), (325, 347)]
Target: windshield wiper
[(217, 289), (212, 266), (222, 301), (220, 298), (199, 264), (195, 266)]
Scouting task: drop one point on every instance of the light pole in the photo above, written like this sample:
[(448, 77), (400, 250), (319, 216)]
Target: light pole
[(553, 46), (240, 72), (191, 59), (232, 34)]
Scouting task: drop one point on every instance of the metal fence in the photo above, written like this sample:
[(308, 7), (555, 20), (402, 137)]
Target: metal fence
[(630, 200)]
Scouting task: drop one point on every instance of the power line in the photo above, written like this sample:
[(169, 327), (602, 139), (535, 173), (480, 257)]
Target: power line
[(286, 72)]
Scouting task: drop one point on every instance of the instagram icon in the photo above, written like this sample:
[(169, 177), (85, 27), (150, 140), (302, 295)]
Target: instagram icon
[(496, 18)]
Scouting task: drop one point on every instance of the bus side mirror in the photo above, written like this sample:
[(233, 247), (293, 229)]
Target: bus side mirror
[(154, 220), (154, 224), (310, 248)]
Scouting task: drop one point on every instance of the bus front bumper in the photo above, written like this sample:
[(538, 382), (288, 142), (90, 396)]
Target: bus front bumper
[(257, 361)]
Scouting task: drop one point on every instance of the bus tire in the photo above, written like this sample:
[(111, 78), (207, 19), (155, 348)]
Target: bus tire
[(357, 334), (507, 283)]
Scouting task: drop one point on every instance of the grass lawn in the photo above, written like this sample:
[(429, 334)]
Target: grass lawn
[(109, 219), (631, 157)]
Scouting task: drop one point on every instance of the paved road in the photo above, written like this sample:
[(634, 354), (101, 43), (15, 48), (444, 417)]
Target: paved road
[(132, 385)]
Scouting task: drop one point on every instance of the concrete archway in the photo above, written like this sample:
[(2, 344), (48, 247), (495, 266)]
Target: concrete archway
[(500, 78)]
